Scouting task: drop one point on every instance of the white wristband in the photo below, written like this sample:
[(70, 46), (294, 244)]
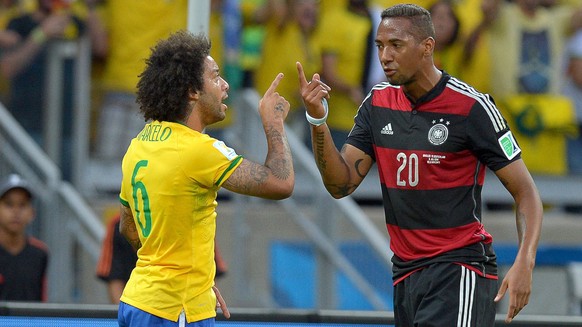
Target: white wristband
[(318, 121)]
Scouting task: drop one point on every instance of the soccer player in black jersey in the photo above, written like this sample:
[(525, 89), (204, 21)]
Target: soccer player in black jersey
[(432, 137)]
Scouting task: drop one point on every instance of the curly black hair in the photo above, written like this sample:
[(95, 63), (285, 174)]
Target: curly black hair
[(174, 68)]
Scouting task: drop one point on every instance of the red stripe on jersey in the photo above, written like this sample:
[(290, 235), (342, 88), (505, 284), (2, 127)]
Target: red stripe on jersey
[(426, 170), (411, 244), (393, 98), (390, 97), (455, 102)]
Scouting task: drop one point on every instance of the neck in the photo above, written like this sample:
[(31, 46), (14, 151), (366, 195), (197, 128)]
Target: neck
[(12, 243), (423, 84), (193, 120)]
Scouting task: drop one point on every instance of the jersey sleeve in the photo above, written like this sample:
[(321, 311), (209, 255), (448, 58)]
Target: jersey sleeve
[(490, 136), (212, 165), (360, 136)]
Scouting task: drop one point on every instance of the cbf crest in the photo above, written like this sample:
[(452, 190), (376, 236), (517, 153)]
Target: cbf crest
[(439, 132)]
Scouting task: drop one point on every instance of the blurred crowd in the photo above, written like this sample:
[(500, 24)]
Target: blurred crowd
[(526, 53)]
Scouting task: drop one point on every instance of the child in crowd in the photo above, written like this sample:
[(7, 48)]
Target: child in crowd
[(23, 258)]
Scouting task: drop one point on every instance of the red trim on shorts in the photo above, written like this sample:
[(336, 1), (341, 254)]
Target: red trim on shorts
[(479, 272), (405, 276)]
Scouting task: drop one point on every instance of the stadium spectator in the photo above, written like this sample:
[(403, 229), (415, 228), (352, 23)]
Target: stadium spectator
[(130, 34), (23, 258), (292, 24), (449, 42), (527, 44), (25, 66), (525, 40), (346, 68)]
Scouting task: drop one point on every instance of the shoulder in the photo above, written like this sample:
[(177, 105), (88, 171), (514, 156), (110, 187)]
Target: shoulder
[(469, 93), (384, 95), (37, 245)]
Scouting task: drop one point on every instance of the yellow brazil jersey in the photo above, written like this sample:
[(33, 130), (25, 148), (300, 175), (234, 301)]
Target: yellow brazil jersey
[(171, 175)]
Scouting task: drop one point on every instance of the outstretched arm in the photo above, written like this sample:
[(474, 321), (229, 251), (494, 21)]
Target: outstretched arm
[(518, 280), (275, 179), (341, 172)]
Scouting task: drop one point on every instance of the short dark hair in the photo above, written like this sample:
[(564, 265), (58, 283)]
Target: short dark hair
[(419, 17), (174, 68)]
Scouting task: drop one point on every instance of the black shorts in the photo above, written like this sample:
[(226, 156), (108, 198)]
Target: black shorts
[(445, 294)]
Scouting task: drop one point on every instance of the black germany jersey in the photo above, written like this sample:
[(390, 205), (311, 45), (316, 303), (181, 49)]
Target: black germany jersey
[(432, 157)]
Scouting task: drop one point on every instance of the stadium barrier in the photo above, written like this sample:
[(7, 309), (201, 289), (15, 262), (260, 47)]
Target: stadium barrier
[(18, 314)]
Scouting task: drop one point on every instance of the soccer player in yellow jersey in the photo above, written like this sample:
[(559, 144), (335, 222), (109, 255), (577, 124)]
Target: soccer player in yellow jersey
[(172, 171)]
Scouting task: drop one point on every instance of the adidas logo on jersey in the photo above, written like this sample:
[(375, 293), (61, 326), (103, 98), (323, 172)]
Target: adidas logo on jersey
[(387, 130)]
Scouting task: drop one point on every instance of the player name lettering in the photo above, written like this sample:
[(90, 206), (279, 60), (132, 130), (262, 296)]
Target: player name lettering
[(154, 133)]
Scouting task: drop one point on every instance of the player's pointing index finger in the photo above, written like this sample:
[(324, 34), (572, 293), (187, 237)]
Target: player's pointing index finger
[(275, 83), (301, 73)]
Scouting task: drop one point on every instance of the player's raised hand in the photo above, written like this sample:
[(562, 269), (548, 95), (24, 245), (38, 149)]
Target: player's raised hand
[(273, 105), (313, 93)]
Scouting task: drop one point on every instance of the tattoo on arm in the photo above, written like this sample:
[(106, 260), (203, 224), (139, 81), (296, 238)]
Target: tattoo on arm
[(357, 168), (279, 159), (319, 152), (130, 230), (342, 190), (247, 177)]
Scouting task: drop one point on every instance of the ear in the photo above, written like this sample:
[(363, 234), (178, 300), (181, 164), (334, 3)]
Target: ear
[(193, 95), (429, 44)]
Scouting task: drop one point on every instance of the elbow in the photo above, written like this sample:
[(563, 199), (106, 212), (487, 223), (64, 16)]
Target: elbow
[(337, 196), (337, 192), (286, 191), (283, 191)]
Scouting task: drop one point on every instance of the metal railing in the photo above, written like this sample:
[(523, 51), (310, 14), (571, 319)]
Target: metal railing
[(65, 221), (310, 206)]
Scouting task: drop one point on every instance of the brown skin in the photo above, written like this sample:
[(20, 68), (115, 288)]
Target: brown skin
[(115, 289), (409, 63)]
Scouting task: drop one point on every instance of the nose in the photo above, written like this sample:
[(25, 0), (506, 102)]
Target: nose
[(385, 55), (225, 85)]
